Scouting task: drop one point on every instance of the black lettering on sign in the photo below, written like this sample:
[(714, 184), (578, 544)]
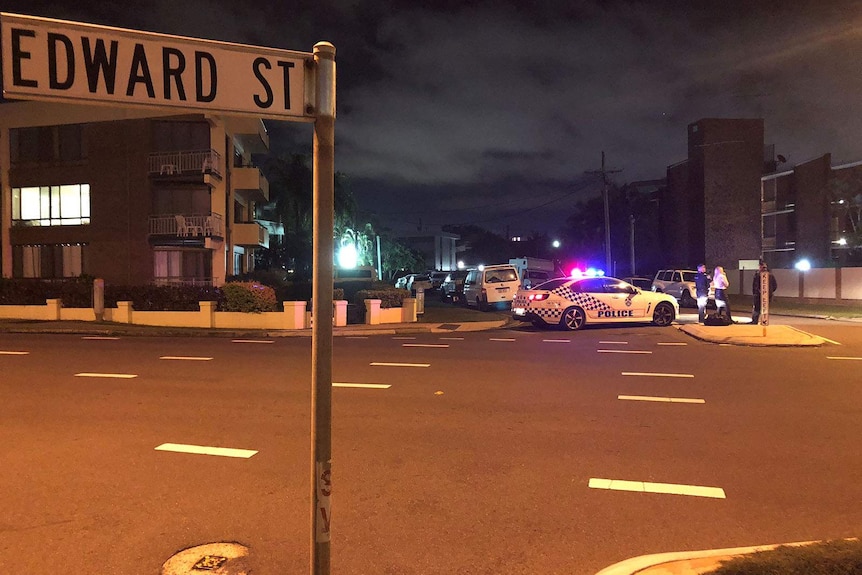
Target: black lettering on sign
[(265, 102), (140, 72), (200, 57), (19, 54), (173, 71), (54, 40), (285, 69), (97, 62)]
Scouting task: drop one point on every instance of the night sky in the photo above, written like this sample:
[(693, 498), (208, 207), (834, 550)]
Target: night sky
[(492, 112)]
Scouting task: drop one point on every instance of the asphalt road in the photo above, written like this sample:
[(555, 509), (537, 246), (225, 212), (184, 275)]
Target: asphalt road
[(489, 459)]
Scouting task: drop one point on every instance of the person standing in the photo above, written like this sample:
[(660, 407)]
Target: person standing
[(701, 290), (719, 280), (755, 290)]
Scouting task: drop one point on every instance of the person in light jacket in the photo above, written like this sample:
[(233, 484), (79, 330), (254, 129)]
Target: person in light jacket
[(719, 280)]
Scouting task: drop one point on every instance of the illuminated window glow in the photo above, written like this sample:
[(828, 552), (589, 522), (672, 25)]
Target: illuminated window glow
[(67, 205)]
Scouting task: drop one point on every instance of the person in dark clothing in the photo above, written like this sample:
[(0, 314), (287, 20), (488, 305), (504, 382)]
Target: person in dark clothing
[(701, 289), (755, 290)]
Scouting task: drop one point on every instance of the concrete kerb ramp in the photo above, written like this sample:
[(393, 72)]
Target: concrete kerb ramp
[(752, 335)]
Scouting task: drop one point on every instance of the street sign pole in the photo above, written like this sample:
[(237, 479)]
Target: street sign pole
[(321, 308), (764, 300)]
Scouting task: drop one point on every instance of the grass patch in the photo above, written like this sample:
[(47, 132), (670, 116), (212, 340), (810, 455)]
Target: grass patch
[(839, 557)]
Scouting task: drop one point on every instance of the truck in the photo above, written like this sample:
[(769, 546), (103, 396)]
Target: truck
[(533, 271)]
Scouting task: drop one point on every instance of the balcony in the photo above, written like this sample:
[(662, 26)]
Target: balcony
[(249, 134), (186, 166), (187, 226), (250, 234), (250, 183)]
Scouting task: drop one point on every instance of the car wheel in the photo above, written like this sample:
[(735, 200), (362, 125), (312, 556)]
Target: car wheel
[(663, 315), (573, 319), (686, 300)]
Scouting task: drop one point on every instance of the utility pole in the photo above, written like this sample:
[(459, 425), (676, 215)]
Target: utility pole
[(604, 172)]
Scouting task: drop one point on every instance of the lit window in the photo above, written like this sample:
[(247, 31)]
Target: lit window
[(67, 205)]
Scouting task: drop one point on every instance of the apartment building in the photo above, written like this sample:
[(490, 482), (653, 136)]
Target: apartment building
[(804, 217), (131, 196)]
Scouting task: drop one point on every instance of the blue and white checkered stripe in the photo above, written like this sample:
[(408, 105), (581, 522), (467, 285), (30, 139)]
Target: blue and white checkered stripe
[(585, 300)]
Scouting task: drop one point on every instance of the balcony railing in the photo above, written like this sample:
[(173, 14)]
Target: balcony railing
[(188, 225), (185, 163)]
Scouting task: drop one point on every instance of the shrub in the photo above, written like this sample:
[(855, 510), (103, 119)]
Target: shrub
[(248, 297), (388, 296), (74, 292), (163, 298)]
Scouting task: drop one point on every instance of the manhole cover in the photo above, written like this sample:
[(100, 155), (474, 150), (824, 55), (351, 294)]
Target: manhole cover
[(216, 558)]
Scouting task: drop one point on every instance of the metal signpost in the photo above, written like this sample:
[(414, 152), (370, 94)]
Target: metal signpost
[(72, 62), (764, 300)]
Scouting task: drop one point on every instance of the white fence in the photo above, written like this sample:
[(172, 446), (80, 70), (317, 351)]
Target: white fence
[(838, 285)]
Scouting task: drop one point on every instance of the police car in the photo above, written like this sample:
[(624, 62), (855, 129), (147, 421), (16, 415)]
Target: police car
[(572, 303)]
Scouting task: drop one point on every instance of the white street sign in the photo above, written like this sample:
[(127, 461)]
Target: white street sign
[(46, 59)]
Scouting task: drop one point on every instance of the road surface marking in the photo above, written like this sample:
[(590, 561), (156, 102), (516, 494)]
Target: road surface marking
[(667, 488), (363, 385), (357, 337), (557, 340), (251, 341), (403, 337), (108, 375), (621, 351), (501, 339), (832, 341), (646, 374), (98, 337), (452, 338), (424, 345), (672, 343), (812, 335), (204, 450), (615, 342), (385, 364), (14, 352), (843, 357), (185, 357), (661, 399)]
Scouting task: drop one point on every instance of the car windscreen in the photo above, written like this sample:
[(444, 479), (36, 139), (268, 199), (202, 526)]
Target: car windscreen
[(504, 275)]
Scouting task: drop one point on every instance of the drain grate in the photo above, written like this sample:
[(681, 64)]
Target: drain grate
[(209, 562)]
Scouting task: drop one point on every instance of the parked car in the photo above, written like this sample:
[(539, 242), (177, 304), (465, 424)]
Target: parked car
[(679, 284), (452, 288), (437, 279), (573, 303), (641, 282), (491, 286), (415, 281)]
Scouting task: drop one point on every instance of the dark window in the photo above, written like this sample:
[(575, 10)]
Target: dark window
[(181, 136), (48, 144), (591, 285)]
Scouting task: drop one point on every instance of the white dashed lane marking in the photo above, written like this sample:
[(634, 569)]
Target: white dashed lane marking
[(425, 345), (614, 342), (387, 364), (14, 352), (205, 450), (452, 338), (665, 488), (363, 385), (107, 375), (621, 351), (185, 358), (103, 337), (501, 339), (660, 399), (647, 374), (251, 341), (844, 357), (671, 343), (403, 337), (557, 340)]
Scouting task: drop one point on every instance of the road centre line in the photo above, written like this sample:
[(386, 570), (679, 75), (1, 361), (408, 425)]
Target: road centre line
[(14, 352), (107, 375), (205, 450), (615, 342), (649, 374), (557, 340), (424, 345), (251, 341), (665, 488), (387, 364), (621, 351), (501, 339), (99, 337), (185, 358), (671, 343), (363, 385), (843, 357), (660, 399)]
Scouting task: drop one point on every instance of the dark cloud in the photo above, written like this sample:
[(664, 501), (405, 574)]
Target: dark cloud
[(470, 111)]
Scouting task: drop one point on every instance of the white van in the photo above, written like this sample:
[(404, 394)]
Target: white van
[(534, 271), (491, 286)]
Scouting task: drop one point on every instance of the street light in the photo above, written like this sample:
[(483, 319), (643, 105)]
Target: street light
[(556, 243)]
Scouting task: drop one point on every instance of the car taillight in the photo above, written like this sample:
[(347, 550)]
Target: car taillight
[(538, 296)]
